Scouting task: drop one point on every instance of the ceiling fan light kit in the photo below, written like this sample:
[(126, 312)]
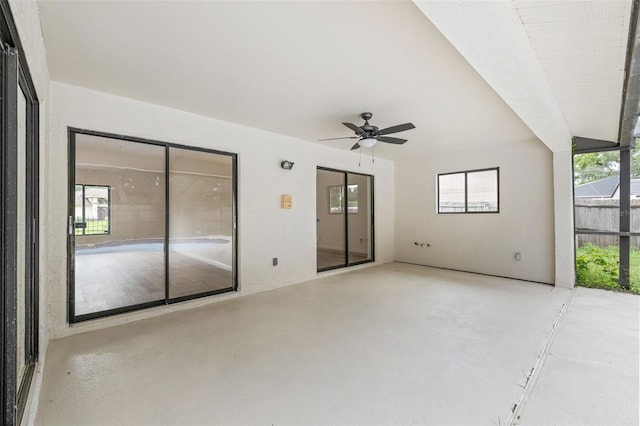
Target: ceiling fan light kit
[(367, 143), (369, 135)]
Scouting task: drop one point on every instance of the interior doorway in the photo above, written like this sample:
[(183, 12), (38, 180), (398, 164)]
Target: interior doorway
[(344, 218)]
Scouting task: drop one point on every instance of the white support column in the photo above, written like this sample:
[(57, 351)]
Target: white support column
[(563, 212)]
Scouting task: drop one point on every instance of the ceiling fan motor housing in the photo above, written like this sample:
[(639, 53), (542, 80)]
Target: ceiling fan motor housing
[(370, 130)]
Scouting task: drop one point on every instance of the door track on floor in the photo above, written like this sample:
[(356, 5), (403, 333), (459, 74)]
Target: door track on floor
[(534, 373)]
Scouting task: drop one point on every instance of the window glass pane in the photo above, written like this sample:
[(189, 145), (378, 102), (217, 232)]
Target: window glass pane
[(96, 210), (352, 198), (22, 234), (119, 260), (79, 210), (201, 245), (359, 199), (335, 199), (451, 193), (330, 220), (482, 191)]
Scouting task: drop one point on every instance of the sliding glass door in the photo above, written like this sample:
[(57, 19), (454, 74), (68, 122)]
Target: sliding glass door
[(19, 216), (200, 223), (119, 223), (344, 219), (149, 224)]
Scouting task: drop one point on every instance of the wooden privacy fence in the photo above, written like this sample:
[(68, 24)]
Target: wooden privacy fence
[(604, 215)]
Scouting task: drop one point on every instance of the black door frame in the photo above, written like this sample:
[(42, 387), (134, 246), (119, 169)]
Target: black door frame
[(346, 174), (16, 77), (71, 316)]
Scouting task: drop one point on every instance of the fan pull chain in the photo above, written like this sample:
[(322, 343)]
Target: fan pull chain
[(360, 158), (373, 153)]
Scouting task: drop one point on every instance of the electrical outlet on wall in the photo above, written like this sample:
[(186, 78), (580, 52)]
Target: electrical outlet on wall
[(275, 261)]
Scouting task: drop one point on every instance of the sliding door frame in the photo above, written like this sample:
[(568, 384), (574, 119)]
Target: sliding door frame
[(345, 212), (15, 78), (71, 317)]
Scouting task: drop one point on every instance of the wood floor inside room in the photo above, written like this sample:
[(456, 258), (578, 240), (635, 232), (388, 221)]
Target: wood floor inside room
[(328, 258), (116, 279), (388, 344)]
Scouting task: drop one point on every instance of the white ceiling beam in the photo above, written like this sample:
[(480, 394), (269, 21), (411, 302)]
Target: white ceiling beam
[(490, 36)]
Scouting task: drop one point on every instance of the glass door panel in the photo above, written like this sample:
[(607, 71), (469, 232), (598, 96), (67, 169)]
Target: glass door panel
[(201, 232), (119, 224), (22, 237), (359, 215), (331, 209)]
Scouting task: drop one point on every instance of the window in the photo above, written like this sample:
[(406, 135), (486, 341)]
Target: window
[(352, 198), (92, 209), (473, 191), (336, 199)]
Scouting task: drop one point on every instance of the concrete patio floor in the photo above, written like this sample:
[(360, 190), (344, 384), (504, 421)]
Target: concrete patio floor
[(390, 344)]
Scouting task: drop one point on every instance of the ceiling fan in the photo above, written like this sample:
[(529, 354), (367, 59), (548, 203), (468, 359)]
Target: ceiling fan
[(370, 135)]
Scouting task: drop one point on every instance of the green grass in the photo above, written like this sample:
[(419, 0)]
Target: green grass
[(597, 267)]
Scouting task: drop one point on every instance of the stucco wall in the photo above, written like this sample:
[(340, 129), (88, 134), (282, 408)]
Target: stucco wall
[(264, 229), (484, 243)]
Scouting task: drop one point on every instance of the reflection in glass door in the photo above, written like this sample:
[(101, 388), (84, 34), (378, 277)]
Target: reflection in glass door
[(22, 236), (119, 223), (360, 219), (330, 221), (201, 243), (150, 223), (344, 219)]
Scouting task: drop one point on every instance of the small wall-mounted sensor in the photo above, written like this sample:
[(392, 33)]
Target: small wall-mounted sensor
[(287, 165), (517, 256)]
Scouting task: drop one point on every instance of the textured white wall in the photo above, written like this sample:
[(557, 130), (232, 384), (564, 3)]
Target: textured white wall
[(484, 243), (563, 218), (265, 230)]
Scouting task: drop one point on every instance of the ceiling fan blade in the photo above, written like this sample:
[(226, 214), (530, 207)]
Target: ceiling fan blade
[(355, 128), (396, 129), (356, 146), (388, 139), (335, 139)]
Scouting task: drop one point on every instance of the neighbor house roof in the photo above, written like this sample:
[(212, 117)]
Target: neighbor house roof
[(605, 188)]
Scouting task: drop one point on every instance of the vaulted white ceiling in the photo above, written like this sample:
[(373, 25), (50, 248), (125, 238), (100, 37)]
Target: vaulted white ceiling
[(301, 68)]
